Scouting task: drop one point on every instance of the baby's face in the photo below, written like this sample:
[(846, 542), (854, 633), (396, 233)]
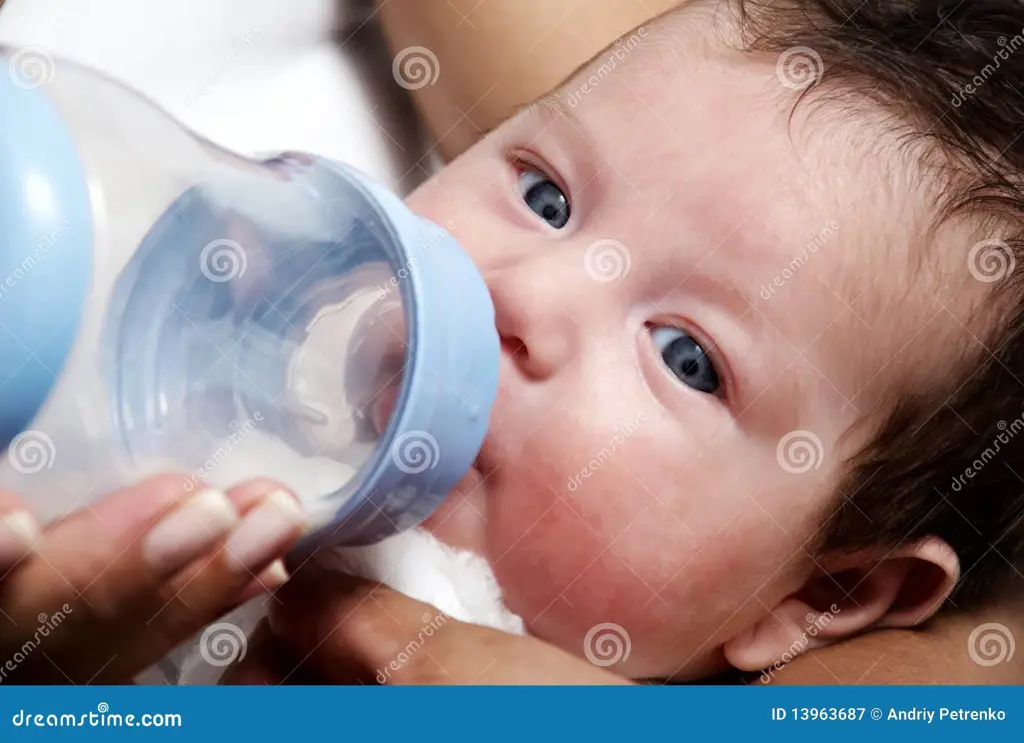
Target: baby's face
[(673, 387)]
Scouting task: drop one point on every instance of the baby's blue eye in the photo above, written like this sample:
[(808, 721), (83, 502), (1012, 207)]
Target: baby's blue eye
[(686, 359), (545, 198)]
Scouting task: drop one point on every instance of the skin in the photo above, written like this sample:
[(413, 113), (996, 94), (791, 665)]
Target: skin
[(668, 537)]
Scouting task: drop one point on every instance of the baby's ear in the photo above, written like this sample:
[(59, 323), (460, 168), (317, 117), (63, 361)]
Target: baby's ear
[(900, 588)]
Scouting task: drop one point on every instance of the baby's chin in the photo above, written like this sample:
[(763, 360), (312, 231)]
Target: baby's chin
[(461, 520)]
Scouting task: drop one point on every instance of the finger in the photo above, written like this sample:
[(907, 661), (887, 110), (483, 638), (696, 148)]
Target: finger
[(249, 557), (265, 662), (19, 531), (108, 553)]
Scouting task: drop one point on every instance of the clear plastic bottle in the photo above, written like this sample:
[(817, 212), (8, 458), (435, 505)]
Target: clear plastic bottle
[(168, 305)]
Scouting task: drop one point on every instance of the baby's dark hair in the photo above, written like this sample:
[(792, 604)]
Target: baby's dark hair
[(946, 461)]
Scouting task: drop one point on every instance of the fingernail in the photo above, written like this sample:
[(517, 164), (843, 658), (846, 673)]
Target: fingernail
[(18, 534), (273, 576), (266, 531), (189, 530)]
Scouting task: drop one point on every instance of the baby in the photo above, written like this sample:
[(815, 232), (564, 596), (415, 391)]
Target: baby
[(754, 275)]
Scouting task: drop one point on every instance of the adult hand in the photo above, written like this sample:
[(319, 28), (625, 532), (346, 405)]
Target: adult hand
[(105, 592), (332, 628)]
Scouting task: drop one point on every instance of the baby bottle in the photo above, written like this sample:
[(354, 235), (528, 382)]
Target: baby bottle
[(166, 305)]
